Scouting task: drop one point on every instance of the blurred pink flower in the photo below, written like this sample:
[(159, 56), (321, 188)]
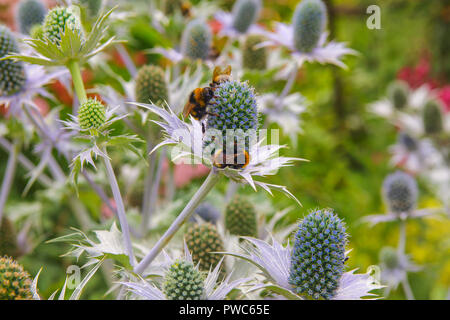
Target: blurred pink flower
[(444, 96), (106, 212)]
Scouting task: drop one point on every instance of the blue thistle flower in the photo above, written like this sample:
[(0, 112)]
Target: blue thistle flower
[(409, 142), (196, 40), (29, 14), (400, 192), (12, 74), (207, 212), (309, 22), (318, 255), (233, 107), (245, 13)]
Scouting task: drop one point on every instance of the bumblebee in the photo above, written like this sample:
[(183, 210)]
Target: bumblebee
[(221, 160), (197, 103), (186, 9), (220, 76)]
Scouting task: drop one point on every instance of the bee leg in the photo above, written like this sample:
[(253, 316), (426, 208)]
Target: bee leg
[(203, 128)]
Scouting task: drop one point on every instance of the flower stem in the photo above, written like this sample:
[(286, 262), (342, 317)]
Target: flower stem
[(401, 251), (201, 193), (120, 209), (9, 176), (78, 84)]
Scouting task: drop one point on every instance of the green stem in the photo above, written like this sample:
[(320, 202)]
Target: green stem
[(78, 84), (201, 193)]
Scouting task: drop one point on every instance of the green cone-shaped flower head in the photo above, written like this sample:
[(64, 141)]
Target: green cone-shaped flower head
[(233, 111), (29, 14), (12, 74), (196, 40), (309, 22), (92, 7), (245, 13), (432, 117), (400, 192), (15, 283), (240, 217), (91, 115), (56, 22), (389, 257), (318, 256), (37, 31), (398, 93), (183, 282), (202, 240), (254, 58), (8, 239), (151, 85)]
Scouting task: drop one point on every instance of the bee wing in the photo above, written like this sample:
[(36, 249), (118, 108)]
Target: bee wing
[(187, 109), (216, 72), (227, 70)]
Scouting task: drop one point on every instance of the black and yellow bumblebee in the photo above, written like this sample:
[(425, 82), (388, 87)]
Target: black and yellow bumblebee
[(198, 101), (221, 160), (186, 9), (220, 76)]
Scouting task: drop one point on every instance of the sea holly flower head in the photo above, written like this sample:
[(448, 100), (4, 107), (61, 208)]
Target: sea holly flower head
[(306, 37), (60, 19), (254, 58), (196, 40), (313, 268), (233, 110), (400, 192), (20, 82), (150, 85), (394, 267), (432, 117), (12, 74), (92, 131), (183, 282), (398, 93), (63, 40), (309, 22), (15, 283), (240, 217), (318, 256), (91, 115), (205, 282), (242, 19), (29, 14)]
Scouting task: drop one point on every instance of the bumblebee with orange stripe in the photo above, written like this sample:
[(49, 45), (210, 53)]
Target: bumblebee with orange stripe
[(198, 102), (221, 160)]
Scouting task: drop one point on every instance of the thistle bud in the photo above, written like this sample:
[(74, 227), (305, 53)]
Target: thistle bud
[(309, 22), (183, 282), (318, 256), (240, 217), (400, 192), (29, 14), (398, 93), (91, 115), (202, 240), (56, 22), (12, 74), (207, 212), (196, 40), (432, 117), (151, 85), (245, 13), (15, 283), (252, 58)]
